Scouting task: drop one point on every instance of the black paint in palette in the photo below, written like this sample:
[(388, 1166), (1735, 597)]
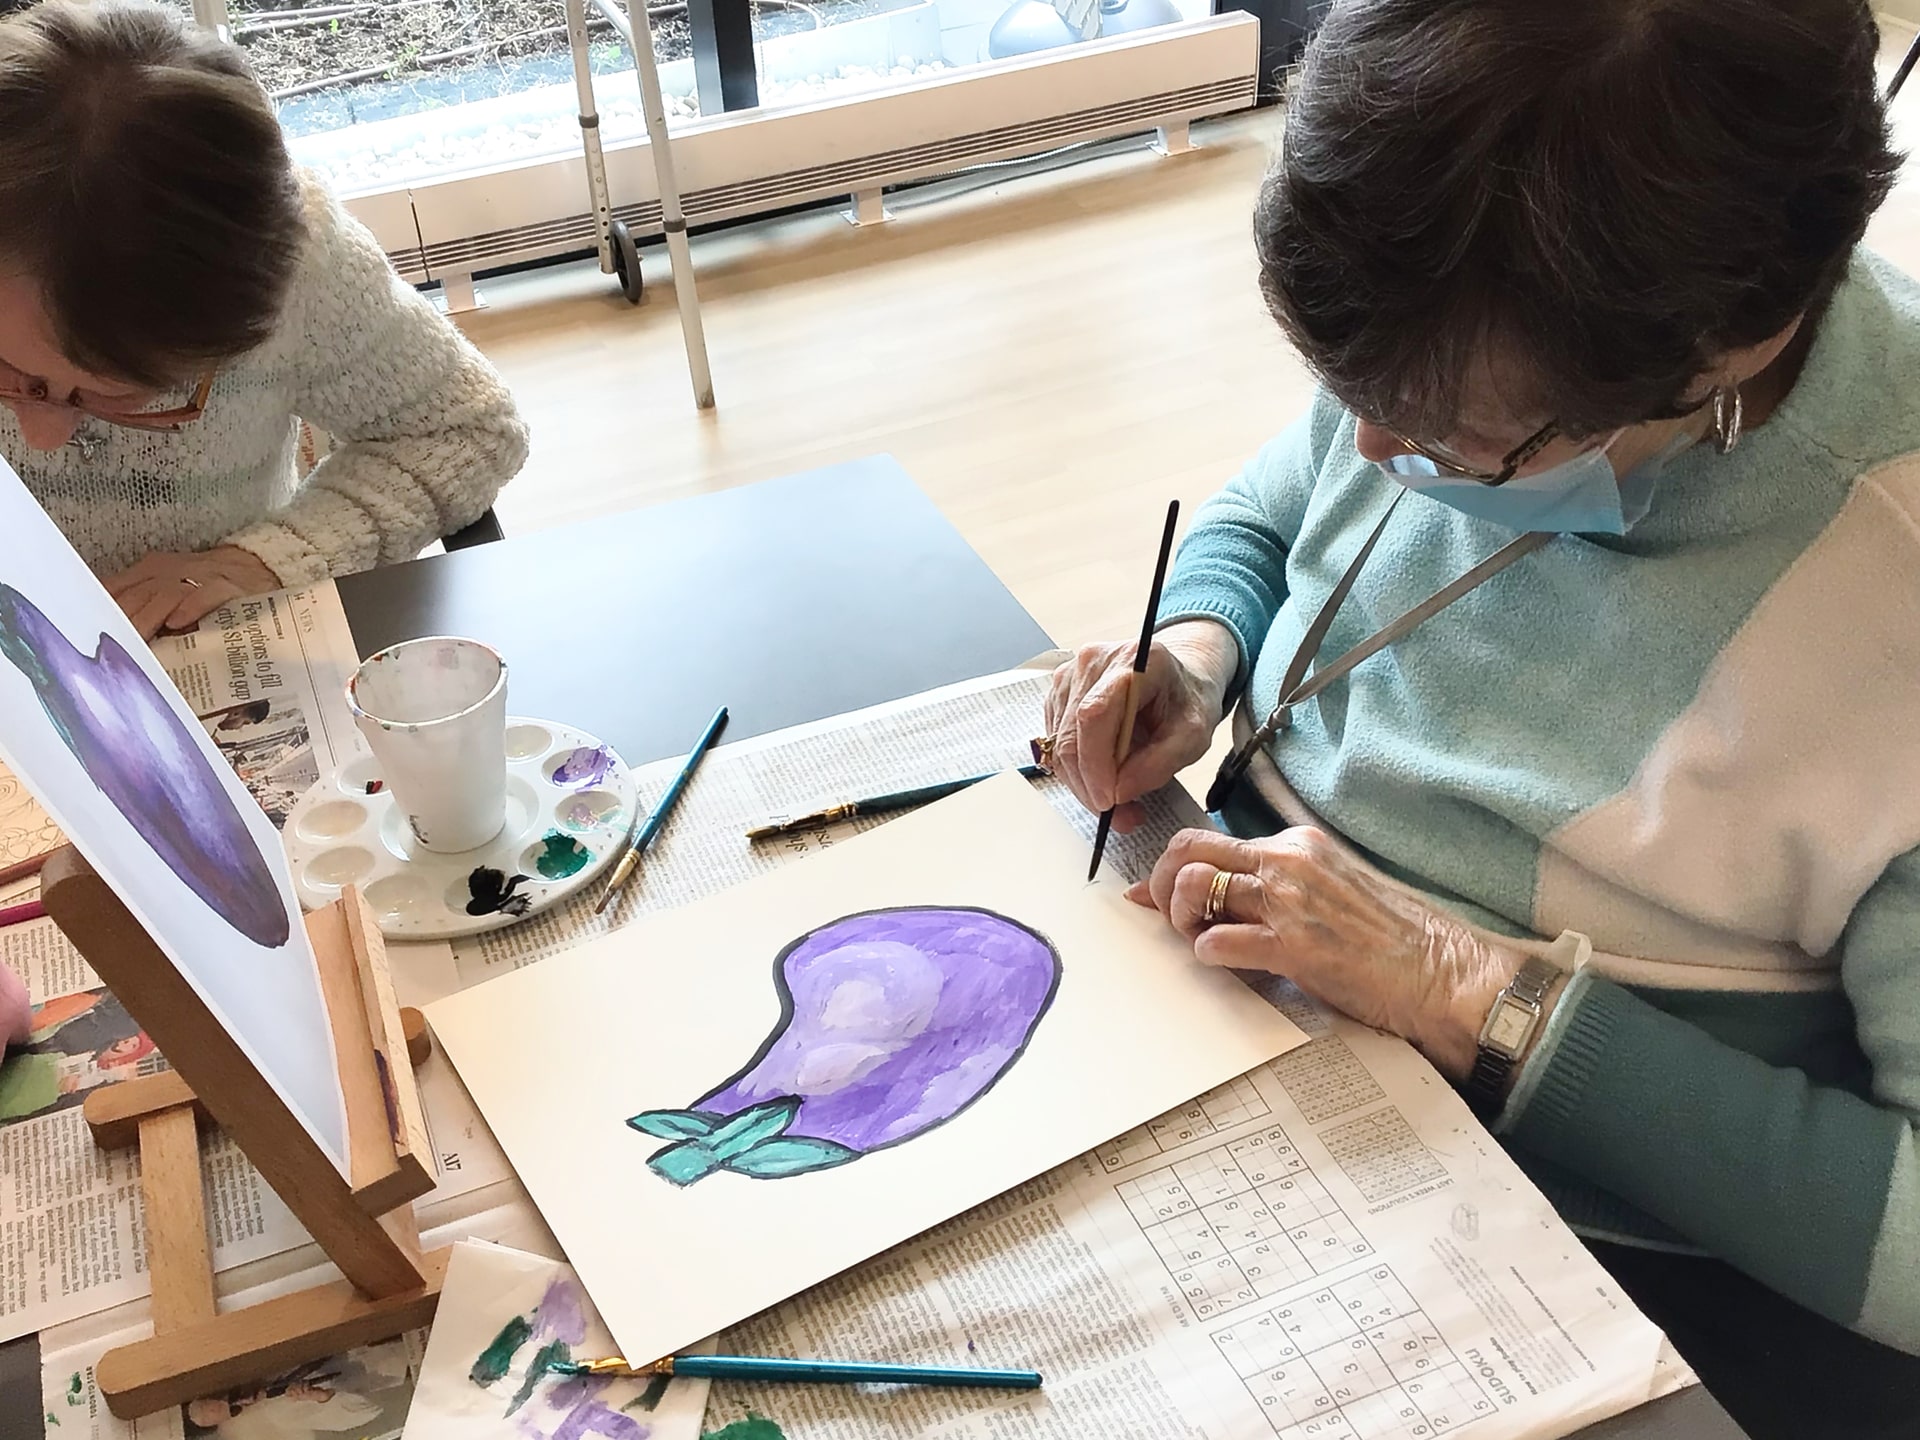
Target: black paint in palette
[(493, 892)]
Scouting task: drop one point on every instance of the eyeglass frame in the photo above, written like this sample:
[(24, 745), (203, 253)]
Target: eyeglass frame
[(171, 421), (1509, 465)]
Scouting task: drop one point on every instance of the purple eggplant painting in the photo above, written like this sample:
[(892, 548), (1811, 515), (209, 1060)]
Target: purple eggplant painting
[(135, 747), (891, 1023)]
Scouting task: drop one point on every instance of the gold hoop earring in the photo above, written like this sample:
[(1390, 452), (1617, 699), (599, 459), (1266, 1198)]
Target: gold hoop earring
[(1728, 414)]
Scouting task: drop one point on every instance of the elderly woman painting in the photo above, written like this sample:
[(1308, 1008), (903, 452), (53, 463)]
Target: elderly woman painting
[(1573, 640)]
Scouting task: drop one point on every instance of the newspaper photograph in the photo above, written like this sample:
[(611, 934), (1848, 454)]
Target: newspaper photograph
[(268, 678)]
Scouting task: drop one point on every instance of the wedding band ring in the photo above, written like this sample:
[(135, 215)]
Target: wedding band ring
[(189, 582), (1216, 910)]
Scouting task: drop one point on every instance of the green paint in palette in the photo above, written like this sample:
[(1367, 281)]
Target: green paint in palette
[(754, 1427), (561, 856), (497, 1358)]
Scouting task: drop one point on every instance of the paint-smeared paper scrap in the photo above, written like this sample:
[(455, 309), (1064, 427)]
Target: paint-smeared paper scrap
[(506, 1318)]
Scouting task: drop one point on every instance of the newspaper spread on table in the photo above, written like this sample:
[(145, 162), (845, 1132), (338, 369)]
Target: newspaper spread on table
[(1327, 1247), (268, 679), (361, 1395)]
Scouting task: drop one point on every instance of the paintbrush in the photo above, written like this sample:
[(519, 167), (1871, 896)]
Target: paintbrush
[(1132, 703), (876, 804), (811, 1372), (20, 914), (21, 869), (636, 844)]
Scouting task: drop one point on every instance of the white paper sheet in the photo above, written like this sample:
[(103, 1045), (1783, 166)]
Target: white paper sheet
[(661, 1016), (91, 724), (503, 1313)]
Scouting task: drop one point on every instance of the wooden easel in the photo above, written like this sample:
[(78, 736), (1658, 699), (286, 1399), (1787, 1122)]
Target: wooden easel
[(364, 1221)]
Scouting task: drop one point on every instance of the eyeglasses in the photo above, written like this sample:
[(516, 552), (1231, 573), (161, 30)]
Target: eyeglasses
[(1509, 466), (177, 417)]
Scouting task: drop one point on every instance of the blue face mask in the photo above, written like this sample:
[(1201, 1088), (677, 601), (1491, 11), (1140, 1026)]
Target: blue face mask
[(1582, 496)]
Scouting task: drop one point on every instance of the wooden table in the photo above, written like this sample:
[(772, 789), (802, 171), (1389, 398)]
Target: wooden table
[(788, 601)]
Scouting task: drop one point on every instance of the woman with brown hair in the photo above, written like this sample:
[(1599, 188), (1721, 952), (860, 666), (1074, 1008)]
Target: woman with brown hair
[(1572, 640), (175, 298)]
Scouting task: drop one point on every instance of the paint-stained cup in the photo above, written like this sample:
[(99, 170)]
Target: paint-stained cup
[(434, 712)]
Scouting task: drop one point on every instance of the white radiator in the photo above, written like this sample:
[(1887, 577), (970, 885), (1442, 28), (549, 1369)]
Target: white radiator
[(760, 160)]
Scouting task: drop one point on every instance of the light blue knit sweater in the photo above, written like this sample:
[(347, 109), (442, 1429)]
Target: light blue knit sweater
[(1698, 744)]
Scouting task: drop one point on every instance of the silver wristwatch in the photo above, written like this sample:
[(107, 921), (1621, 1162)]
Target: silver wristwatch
[(1517, 1013)]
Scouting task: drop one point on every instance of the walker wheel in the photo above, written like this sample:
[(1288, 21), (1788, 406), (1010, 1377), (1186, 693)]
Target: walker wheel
[(626, 261)]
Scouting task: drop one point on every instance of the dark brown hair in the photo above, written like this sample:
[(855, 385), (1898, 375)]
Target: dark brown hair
[(1605, 194), (144, 186)]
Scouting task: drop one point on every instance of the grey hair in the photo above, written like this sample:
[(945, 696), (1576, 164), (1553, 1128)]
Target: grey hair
[(1603, 196)]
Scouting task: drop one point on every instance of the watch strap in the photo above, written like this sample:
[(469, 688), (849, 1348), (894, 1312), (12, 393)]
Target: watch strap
[(1486, 1086)]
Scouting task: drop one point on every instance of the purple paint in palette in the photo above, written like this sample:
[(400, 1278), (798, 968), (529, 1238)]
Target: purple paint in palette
[(590, 812), (583, 765), (892, 1022)]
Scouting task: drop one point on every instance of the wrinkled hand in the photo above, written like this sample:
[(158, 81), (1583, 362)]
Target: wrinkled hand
[(1180, 702), (168, 591), (1299, 905)]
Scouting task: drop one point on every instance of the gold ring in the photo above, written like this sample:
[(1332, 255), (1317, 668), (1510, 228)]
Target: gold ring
[(189, 582), (1216, 910), (1043, 747)]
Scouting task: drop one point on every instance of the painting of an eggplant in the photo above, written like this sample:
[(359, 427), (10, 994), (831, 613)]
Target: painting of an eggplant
[(156, 771), (891, 1023)]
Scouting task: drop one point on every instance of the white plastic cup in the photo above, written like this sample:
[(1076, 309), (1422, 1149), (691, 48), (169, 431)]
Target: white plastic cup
[(434, 712)]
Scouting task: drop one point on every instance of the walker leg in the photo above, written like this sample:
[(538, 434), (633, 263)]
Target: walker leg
[(673, 219)]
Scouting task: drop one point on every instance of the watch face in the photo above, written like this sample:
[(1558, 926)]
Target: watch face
[(1507, 1029)]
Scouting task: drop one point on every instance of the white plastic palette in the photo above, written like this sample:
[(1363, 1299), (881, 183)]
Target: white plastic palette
[(568, 797)]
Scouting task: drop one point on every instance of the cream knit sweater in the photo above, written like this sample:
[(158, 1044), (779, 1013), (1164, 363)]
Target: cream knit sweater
[(424, 434)]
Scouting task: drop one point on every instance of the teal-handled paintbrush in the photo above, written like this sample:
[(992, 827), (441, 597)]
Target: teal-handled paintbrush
[(876, 804), (810, 1372), (658, 819)]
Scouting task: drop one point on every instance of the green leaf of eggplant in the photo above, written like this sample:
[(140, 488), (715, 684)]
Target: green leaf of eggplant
[(676, 1124), (790, 1155), (753, 1125)]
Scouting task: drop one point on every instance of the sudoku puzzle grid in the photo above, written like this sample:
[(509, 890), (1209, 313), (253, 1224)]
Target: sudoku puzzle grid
[(1382, 1155), (1220, 1108), (1325, 1079), (1241, 1222), (1355, 1360)]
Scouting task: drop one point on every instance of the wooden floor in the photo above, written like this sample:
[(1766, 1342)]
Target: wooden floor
[(1050, 357)]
